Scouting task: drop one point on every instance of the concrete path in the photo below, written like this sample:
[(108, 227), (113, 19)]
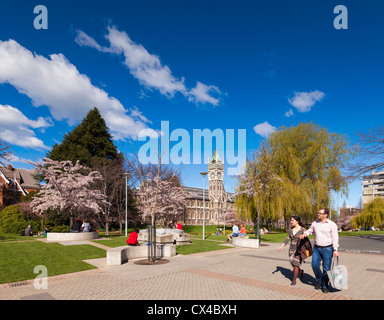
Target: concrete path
[(230, 274)]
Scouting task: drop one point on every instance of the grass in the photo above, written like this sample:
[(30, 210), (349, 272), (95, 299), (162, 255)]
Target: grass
[(199, 246), (19, 255), (19, 259), (113, 241), (4, 237), (359, 233)]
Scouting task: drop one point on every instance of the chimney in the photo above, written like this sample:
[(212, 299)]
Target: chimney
[(10, 167)]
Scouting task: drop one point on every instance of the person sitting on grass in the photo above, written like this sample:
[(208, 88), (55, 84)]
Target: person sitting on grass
[(132, 239)]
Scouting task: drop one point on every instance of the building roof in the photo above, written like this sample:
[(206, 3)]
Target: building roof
[(216, 157), (25, 176), (197, 193)]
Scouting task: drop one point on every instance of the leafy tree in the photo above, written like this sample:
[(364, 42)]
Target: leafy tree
[(258, 188), (310, 161), (372, 215), (294, 172), (88, 142)]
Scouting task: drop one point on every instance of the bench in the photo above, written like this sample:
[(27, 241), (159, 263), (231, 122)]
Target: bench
[(119, 255), (245, 242), (71, 236)]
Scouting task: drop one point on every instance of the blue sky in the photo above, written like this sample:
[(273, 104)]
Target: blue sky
[(254, 65)]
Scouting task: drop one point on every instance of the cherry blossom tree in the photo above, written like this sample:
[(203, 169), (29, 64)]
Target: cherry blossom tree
[(67, 188), (160, 198), (159, 191)]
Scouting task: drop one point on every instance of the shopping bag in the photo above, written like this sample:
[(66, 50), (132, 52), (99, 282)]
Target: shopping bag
[(338, 275)]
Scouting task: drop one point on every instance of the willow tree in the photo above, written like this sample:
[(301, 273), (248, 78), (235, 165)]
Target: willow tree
[(309, 159), (372, 215), (258, 188)]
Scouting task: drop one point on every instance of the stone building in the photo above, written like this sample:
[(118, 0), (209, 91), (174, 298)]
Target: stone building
[(14, 183), (217, 200)]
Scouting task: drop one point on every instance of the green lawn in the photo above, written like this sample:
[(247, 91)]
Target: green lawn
[(200, 246), (113, 241), (14, 237), (19, 255), (18, 259)]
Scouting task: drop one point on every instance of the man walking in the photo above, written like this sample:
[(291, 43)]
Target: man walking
[(326, 246)]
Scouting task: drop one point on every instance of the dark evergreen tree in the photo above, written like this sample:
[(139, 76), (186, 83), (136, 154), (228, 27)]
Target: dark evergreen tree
[(89, 142)]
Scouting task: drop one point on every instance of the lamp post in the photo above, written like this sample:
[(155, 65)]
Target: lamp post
[(126, 202), (203, 174)]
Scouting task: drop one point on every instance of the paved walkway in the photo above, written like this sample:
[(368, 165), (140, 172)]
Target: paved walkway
[(230, 274)]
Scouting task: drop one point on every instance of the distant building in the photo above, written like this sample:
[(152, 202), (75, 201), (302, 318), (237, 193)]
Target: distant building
[(14, 183), (349, 212), (217, 200), (345, 216), (373, 186)]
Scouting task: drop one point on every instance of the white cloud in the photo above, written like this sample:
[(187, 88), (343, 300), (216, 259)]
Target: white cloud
[(57, 83), (147, 68), (304, 101), (289, 113), (200, 94), (264, 129), (15, 128)]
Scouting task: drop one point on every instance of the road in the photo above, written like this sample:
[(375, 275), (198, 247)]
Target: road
[(371, 244)]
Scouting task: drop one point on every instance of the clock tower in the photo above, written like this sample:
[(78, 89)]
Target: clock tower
[(216, 189)]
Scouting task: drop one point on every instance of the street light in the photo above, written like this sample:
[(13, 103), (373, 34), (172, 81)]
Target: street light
[(203, 174), (126, 202)]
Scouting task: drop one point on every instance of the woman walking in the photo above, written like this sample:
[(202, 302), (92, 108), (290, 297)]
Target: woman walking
[(295, 256)]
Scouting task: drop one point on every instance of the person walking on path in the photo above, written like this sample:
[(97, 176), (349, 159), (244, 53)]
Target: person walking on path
[(326, 246), (295, 257)]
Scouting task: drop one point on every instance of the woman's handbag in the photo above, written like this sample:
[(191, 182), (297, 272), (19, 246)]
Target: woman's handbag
[(309, 252), (308, 247), (338, 275)]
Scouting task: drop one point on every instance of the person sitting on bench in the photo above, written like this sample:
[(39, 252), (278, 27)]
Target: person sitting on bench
[(132, 240)]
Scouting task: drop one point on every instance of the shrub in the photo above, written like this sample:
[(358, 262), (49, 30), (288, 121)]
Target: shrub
[(61, 228), (13, 220)]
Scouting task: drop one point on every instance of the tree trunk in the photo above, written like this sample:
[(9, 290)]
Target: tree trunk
[(106, 228)]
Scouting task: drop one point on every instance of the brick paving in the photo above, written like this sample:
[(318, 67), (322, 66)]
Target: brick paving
[(230, 274)]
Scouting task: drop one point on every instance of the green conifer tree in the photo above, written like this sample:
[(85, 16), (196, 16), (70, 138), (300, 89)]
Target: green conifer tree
[(89, 142)]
